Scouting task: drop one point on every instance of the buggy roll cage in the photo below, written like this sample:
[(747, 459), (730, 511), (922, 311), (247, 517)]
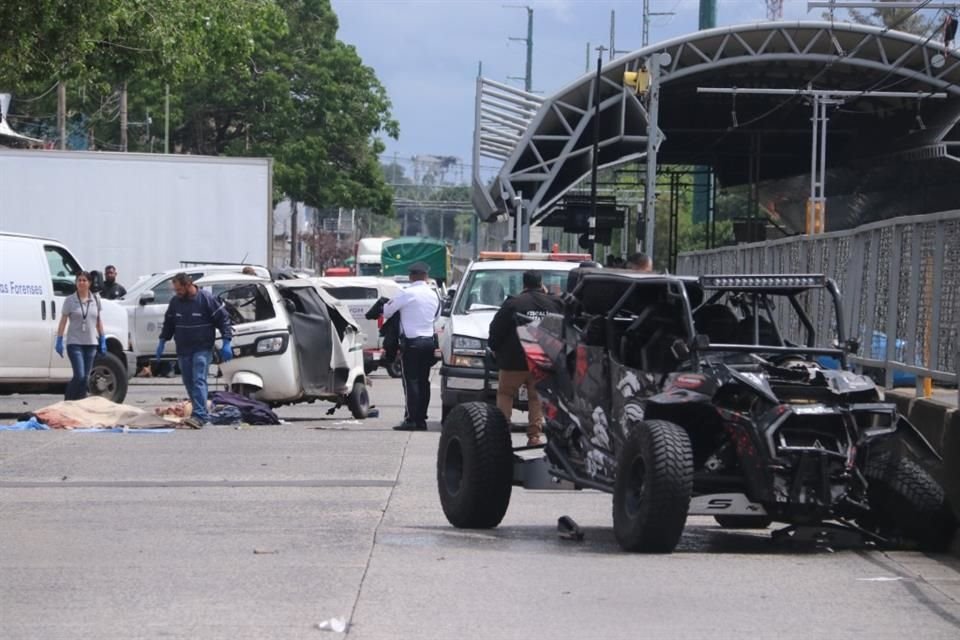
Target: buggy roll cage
[(756, 286)]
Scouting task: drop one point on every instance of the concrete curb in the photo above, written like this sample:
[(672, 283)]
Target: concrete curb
[(940, 424)]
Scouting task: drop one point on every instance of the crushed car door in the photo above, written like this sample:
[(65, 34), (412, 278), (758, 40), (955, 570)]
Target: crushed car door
[(313, 336)]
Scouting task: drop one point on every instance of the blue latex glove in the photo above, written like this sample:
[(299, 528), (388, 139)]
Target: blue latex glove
[(160, 347), (58, 346), (226, 351), (103, 344)]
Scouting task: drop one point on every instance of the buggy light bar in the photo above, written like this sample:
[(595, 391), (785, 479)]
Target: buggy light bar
[(517, 255), (784, 281)]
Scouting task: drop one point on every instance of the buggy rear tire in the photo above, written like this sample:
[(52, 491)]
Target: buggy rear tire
[(651, 493), (906, 503), (744, 522), (108, 378), (475, 466), (359, 400)]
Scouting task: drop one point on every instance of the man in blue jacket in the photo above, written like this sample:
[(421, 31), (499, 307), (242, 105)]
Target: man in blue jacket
[(191, 318)]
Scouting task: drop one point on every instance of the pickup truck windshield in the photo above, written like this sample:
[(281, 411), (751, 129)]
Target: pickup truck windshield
[(486, 289)]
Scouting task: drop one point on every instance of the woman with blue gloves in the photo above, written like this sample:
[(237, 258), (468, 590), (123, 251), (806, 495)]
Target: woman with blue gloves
[(81, 311)]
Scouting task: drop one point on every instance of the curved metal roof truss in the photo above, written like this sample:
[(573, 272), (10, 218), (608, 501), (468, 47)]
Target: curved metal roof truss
[(546, 144)]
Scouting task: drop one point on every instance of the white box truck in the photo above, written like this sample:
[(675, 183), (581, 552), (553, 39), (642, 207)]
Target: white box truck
[(368, 260), (142, 212)]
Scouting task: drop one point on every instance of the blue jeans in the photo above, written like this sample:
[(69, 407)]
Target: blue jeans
[(194, 368), (81, 359)]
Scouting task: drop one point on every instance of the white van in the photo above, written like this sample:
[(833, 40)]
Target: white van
[(146, 303), (360, 293), (36, 276)]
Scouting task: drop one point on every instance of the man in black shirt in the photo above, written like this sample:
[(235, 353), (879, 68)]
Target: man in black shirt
[(111, 288), (533, 302)]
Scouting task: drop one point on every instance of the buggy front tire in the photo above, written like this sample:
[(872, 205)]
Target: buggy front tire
[(651, 493), (906, 503), (475, 466)]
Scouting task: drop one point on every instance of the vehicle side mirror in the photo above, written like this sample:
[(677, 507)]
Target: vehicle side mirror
[(680, 349), (289, 305), (701, 341), (447, 305), (147, 297)]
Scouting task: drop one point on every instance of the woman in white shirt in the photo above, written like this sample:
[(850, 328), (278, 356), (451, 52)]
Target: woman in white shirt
[(81, 311)]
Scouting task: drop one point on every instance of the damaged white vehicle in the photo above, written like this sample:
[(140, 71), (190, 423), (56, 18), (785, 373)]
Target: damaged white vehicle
[(292, 343)]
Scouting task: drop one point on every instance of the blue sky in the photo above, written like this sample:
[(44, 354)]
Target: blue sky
[(426, 51)]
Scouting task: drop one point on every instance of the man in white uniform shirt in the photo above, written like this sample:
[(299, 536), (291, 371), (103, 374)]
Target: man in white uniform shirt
[(418, 306)]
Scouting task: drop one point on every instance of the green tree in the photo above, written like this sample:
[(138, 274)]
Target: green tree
[(304, 98), (247, 77)]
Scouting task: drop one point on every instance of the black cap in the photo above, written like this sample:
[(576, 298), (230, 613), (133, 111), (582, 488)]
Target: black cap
[(419, 267)]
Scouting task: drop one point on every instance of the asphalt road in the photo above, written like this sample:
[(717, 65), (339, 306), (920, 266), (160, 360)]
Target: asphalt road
[(264, 532)]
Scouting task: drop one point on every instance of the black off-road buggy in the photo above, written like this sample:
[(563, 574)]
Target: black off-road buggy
[(702, 396)]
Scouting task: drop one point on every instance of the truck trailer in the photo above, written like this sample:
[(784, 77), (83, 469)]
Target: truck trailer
[(141, 212)]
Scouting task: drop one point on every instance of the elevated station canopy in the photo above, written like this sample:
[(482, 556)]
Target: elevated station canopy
[(545, 145)]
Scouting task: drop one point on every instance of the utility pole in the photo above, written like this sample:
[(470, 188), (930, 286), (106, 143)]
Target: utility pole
[(62, 113), (654, 63), (166, 120), (123, 116), (774, 10), (647, 14), (294, 232), (595, 160), (528, 77), (586, 64), (614, 52)]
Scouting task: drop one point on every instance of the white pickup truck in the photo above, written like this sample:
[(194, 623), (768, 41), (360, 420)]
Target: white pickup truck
[(464, 323)]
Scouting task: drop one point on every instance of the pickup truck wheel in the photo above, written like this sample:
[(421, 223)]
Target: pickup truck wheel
[(359, 400), (393, 369), (651, 493), (906, 503), (475, 466), (744, 522), (108, 378)]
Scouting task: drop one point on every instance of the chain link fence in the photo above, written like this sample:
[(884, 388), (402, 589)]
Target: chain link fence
[(900, 284)]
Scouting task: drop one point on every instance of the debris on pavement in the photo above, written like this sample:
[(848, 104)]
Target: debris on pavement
[(265, 552), (338, 625), (881, 579), (31, 424), (568, 529)]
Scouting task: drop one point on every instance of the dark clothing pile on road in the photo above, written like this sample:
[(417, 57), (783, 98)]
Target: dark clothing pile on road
[(503, 340)]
